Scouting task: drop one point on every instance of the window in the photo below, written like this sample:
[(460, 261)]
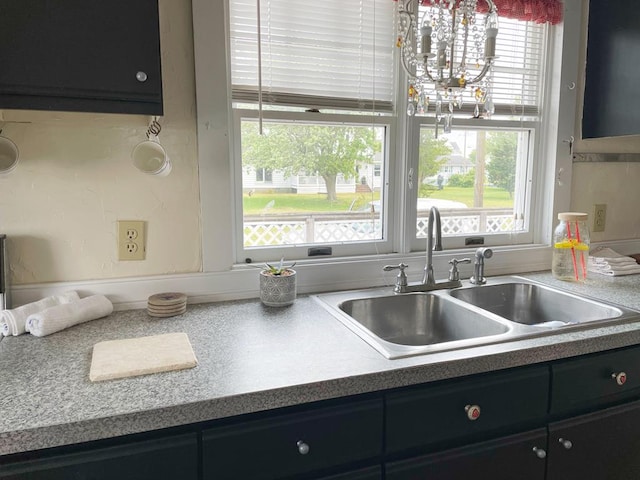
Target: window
[(320, 104), (324, 127)]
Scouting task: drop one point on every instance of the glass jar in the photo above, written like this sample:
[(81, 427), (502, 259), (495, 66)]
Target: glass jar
[(571, 247)]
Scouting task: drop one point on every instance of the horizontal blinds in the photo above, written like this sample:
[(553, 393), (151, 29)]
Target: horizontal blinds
[(329, 53), (517, 77)]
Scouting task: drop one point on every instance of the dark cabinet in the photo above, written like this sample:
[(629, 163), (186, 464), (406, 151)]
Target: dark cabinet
[(291, 444), (80, 55), (604, 445), (167, 458), (519, 457), (595, 381), (435, 415), (612, 70)]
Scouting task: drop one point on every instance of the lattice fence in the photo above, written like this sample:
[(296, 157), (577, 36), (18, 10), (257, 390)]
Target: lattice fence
[(332, 228)]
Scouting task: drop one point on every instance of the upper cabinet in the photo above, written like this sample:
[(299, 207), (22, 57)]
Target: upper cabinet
[(80, 55), (613, 70)]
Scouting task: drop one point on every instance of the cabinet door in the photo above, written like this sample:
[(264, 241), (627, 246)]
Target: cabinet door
[(80, 55), (595, 380), (163, 459), (441, 415), (294, 443), (520, 457), (604, 445), (613, 70)]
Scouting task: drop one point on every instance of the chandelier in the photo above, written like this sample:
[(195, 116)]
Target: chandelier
[(448, 49)]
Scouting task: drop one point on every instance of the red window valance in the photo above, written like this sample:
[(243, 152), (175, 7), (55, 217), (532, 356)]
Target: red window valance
[(538, 11)]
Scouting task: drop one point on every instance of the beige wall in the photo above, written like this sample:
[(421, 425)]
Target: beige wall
[(75, 180)]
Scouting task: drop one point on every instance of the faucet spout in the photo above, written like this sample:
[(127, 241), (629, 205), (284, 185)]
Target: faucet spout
[(432, 244)]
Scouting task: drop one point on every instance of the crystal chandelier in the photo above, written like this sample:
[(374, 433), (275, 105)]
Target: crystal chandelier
[(448, 49)]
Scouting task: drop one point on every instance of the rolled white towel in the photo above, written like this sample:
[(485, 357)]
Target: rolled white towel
[(60, 317), (13, 322)]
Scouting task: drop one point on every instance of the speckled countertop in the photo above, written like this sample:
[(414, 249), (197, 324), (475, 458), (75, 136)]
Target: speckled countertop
[(251, 358)]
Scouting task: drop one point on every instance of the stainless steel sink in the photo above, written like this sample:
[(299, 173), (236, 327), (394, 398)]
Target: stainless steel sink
[(420, 319), (531, 304), (412, 324), (506, 309)]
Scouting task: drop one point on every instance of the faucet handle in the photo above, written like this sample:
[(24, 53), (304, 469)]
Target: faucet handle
[(454, 275), (401, 279)]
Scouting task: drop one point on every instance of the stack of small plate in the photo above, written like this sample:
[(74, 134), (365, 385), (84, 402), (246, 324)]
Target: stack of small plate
[(164, 305)]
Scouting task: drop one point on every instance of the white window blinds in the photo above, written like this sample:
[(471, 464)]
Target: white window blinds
[(315, 53)]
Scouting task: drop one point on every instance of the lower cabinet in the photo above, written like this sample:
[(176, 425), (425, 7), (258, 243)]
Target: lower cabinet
[(283, 446), (519, 457), (170, 458), (604, 445)]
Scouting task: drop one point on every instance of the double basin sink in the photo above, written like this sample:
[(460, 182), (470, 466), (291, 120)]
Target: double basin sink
[(504, 309)]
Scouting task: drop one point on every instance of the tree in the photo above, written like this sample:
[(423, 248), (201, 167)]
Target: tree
[(502, 149), (328, 150), (433, 154)]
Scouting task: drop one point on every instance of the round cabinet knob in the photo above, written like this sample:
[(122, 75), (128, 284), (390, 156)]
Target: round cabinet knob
[(567, 444), (141, 76), (303, 448), (540, 452), (473, 412), (620, 378)]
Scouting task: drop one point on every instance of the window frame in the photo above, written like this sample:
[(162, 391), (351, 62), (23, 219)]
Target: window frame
[(301, 251), (215, 162), (525, 237)]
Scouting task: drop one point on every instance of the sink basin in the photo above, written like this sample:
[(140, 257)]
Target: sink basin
[(419, 319), (412, 324), (503, 310), (531, 304)]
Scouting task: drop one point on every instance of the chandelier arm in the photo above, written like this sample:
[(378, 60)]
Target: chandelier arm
[(482, 73)]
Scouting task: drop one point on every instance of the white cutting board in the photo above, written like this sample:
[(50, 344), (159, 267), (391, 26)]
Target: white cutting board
[(130, 357)]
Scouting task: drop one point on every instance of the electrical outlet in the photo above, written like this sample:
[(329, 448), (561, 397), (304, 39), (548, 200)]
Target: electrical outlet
[(131, 239), (599, 217)]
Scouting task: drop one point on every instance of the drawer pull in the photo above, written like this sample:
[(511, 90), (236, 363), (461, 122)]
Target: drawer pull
[(620, 378), (141, 76), (567, 444), (540, 452), (473, 412), (303, 448)]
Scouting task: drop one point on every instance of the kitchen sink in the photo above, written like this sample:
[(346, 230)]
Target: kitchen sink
[(506, 309), (412, 324), (420, 319), (531, 304)]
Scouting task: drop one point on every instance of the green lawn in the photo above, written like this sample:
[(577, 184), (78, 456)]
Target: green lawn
[(493, 197), (292, 203)]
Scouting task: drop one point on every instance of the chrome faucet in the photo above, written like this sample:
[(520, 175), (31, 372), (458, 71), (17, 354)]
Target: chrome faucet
[(434, 218), (478, 266), (434, 242)]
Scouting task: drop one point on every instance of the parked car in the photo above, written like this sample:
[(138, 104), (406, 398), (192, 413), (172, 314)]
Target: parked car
[(423, 204)]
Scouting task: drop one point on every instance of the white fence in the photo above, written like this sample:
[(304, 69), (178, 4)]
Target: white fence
[(343, 227)]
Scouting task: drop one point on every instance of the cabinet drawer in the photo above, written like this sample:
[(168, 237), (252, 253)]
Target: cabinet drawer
[(519, 457), (443, 413), (595, 380), (295, 443), (163, 459)]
